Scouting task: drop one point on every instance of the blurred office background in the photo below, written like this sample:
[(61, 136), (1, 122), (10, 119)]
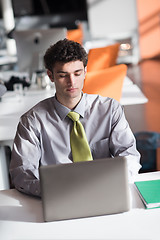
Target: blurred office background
[(135, 24)]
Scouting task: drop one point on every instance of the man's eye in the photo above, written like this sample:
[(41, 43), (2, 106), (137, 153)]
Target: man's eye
[(78, 74), (62, 76)]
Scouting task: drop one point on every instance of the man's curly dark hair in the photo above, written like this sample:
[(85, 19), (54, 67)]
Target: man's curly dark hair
[(64, 51)]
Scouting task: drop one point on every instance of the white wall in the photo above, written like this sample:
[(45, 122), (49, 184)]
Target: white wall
[(115, 20), (111, 17)]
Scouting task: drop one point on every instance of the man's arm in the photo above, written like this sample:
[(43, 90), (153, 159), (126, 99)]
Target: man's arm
[(25, 158), (122, 141)]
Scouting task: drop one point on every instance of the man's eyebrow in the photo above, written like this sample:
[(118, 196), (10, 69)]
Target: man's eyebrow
[(60, 71), (78, 70)]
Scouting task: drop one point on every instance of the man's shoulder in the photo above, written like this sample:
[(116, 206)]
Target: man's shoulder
[(95, 98), (40, 108)]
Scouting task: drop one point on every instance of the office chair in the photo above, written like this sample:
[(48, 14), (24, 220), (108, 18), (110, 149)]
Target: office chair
[(107, 82), (101, 58), (76, 34)]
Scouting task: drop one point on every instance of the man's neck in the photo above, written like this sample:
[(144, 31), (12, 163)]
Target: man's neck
[(71, 103)]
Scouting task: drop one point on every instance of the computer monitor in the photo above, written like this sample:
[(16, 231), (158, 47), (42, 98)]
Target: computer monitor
[(55, 13), (32, 44)]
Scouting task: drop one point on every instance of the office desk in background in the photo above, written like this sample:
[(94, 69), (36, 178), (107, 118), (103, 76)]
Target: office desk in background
[(21, 218)]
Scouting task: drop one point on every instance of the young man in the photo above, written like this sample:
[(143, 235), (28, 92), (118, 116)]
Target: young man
[(43, 133)]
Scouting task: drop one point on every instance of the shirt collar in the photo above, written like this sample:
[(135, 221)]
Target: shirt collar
[(63, 111), (80, 108)]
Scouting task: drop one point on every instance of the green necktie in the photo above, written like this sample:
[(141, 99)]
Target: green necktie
[(79, 144)]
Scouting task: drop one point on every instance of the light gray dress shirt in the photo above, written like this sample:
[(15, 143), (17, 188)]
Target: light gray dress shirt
[(43, 137)]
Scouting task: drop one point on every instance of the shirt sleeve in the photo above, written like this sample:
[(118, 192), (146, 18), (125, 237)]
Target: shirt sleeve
[(122, 140), (25, 159)]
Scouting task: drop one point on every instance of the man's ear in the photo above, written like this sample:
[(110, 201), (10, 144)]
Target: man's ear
[(85, 70), (50, 75)]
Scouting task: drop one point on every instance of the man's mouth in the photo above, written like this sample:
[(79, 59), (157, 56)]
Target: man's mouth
[(72, 89)]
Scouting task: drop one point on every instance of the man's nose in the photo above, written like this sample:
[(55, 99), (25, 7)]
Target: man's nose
[(71, 79)]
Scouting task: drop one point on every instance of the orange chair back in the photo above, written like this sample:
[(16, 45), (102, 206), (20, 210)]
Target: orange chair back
[(76, 35), (101, 58), (107, 82)]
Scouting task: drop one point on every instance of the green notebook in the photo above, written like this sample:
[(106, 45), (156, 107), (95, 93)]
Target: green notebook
[(149, 192)]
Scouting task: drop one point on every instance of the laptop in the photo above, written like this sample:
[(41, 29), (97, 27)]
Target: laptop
[(84, 189)]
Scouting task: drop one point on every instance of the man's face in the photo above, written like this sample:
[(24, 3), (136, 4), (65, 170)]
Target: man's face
[(68, 79)]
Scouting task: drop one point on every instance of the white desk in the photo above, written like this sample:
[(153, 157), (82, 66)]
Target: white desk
[(11, 108), (21, 218), (132, 94)]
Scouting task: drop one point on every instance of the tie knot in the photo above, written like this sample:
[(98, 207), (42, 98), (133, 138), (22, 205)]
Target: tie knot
[(74, 116)]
